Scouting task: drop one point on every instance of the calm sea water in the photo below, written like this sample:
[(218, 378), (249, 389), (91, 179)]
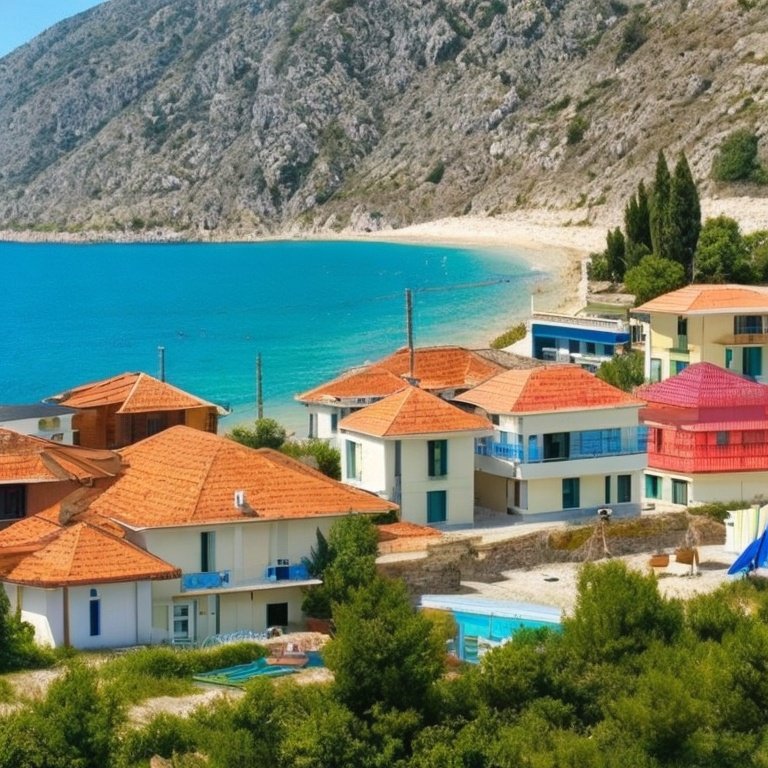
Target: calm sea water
[(77, 313)]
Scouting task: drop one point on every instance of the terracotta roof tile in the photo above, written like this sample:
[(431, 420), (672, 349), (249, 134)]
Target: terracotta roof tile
[(82, 554), (183, 476), (404, 530), (545, 390), (704, 385), (412, 411), (27, 459), (709, 299), (440, 368), (138, 393), (371, 382)]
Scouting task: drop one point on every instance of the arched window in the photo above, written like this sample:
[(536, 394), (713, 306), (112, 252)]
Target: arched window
[(95, 613)]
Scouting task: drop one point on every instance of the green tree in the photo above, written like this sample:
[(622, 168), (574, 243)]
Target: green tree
[(18, 649), (317, 453), (721, 255), (345, 562), (684, 216), (615, 254), (659, 208), (266, 433), (637, 227), (625, 371), (383, 653), (618, 612), (756, 244), (737, 159), (652, 277)]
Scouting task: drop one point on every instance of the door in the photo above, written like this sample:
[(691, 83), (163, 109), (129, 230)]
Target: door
[(183, 624)]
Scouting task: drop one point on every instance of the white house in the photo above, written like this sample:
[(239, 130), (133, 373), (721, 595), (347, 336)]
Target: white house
[(208, 535), (565, 444), (52, 422), (416, 450)]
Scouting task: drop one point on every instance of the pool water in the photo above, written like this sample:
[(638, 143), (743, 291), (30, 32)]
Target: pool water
[(483, 623)]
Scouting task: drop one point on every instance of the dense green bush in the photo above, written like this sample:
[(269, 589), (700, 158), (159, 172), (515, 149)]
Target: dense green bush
[(576, 129), (509, 336), (435, 176), (737, 159)]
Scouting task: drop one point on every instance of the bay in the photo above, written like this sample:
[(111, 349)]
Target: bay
[(74, 313)]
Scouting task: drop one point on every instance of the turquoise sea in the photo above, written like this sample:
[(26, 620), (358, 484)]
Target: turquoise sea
[(78, 313)]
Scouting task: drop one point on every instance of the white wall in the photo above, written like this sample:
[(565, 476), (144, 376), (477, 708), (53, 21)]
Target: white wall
[(31, 427)]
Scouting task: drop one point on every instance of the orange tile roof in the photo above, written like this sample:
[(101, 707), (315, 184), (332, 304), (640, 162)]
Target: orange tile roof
[(138, 393), (439, 368), (412, 411), (545, 390), (709, 299), (404, 530), (83, 554), (27, 459), (28, 530), (183, 476), (371, 382)]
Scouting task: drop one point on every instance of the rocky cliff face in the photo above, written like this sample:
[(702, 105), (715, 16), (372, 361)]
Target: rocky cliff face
[(257, 116)]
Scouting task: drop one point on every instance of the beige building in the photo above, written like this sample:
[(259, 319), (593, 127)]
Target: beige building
[(726, 325)]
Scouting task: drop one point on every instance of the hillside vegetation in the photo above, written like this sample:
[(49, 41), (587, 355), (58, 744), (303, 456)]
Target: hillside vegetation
[(258, 116)]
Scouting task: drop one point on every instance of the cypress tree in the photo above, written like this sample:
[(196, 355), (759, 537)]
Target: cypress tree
[(659, 209), (615, 254), (637, 226), (684, 216)]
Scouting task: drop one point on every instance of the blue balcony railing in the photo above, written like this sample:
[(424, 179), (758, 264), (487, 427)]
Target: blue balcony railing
[(286, 572), (205, 580), (588, 444)]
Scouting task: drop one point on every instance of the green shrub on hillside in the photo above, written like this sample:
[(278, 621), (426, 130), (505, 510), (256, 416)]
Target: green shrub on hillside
[(509, 337), (737, 159)]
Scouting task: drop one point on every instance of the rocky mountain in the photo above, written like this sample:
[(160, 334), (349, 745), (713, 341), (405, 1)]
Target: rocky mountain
[(234, 117)]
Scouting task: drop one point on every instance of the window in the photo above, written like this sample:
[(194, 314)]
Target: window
[(590, 345), (679, 366), (13, 502), (95, 613), (155, 424), (682, 326), (753, 437), (48, 424), (680, 492), (398, 458), (652, 487), (608, 350), (624, 488), (721, 438), (655, 369), (183, 622), (277, 614), (311, 432), (437, 505), (354, 453), (570, 492), (557, 445), (437, 458), (334, 423), (574, 346), (207, 551), (728, 357), (747, 324), (607, 489)]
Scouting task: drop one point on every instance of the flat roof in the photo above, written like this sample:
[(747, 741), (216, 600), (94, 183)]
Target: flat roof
[(33, 411)]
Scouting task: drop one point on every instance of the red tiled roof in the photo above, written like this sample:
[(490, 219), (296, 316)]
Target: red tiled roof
[(371, 382), (440, 368), (82, 554), (412, 411), (709, 299), (138, 393), (27, 459), (28, 530), (183, 476), (403, 530), (704, 385), (547, 389)]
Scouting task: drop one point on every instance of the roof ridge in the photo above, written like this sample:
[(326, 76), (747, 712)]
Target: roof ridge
[(405, 394)]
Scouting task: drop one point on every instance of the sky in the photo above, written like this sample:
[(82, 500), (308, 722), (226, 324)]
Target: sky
[(21, 20)]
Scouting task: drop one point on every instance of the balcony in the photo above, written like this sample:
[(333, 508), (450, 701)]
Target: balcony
[(680, 345), (277, 574)]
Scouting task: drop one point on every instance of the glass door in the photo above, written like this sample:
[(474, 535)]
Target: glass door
[(183, 622)]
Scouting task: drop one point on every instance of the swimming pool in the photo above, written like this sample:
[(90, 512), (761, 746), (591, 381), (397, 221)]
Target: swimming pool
[(483, 622)]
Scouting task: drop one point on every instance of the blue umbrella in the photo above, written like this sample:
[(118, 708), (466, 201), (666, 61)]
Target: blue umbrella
[(754, 556)]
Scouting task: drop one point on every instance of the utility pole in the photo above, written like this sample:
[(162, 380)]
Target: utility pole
[(409, 332), (259, 393), (161, 362)]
